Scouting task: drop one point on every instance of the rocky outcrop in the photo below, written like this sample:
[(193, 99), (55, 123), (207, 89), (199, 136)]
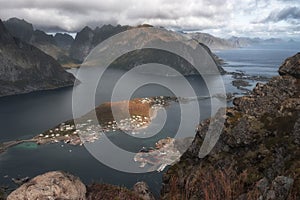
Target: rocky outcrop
[(257, 154), (291, 66), (62, 185), (24, 68), (51, 185)]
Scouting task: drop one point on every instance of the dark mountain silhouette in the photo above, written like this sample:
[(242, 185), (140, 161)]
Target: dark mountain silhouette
[(55, 46), (88, 38), (24, 68)]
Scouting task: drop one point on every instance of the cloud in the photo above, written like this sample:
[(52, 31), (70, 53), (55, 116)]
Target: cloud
[(223, 17), (290, 14), (72, 15)]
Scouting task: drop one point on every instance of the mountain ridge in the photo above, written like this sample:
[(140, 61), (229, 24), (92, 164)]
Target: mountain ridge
[(24, 68)]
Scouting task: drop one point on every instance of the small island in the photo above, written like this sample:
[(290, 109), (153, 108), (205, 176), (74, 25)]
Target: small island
[(127, 115)]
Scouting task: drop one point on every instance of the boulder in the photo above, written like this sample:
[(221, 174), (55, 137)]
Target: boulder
[(51, 185)]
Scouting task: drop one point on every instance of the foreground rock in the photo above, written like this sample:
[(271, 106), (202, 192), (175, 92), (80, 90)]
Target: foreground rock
[(51, 185), (24, 68), (61, 185), (291, 66), (257, 154)]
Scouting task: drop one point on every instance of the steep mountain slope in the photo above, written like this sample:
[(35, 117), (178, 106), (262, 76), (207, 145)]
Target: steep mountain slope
[(148, 45), (63, 40), (87, 39), (257, 154), (55, 46), (24, 68)]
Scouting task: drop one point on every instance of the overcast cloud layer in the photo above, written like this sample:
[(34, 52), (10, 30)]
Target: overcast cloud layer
[(262, 18)]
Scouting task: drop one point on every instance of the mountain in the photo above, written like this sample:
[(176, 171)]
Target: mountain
[(257, 153), (56, 46), (273, 40), (63, 40), (246, 41), (82, 44), (19, 29), (24, 68), (141, 40), (87, 39), (216, 43), (66, 50), (243, 41), (213, 42)]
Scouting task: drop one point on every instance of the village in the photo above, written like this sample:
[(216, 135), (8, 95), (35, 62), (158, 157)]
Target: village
[(86, 130)]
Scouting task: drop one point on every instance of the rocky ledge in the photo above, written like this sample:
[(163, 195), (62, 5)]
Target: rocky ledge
[(258, 153), (62, 185)]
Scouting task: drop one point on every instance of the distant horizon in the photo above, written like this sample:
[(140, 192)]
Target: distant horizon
[(260, 18), (74, 33)]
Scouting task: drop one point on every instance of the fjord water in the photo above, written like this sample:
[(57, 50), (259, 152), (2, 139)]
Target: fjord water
[(259, 60), (24, 116)]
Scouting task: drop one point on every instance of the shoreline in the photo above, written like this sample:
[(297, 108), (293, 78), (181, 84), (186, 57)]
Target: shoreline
[(6, 145), (142, 111), (73, 138)]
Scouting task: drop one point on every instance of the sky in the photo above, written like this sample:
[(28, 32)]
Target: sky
[(223, 18)]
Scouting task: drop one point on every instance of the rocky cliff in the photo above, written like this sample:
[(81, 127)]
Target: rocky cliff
[(257, 154), (24, 68)]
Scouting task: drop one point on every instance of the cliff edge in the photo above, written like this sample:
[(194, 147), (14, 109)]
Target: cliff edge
[(258, 153)]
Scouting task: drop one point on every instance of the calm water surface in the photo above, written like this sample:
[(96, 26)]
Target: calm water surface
[(24, 116)]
